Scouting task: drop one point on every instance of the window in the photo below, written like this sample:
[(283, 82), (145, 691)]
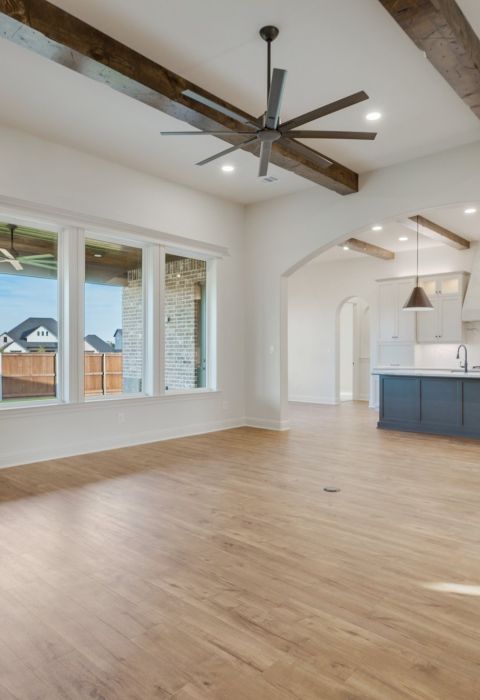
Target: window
[(51, 276), (28, 301), (114, 308), (185, 323)]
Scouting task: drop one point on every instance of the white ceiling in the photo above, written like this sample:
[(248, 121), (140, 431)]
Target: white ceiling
[(452, 218), (331, 48)]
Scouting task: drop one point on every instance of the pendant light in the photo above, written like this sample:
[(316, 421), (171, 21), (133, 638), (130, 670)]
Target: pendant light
[(418, 300)]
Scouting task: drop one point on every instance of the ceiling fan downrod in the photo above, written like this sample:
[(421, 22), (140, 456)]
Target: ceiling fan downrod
[(269, 33)]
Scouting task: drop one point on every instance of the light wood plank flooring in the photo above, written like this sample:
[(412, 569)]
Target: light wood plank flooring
[(217, 568)]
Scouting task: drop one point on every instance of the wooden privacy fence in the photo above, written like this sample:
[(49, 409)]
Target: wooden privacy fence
[(34, 375), (103, 373), (28, 375)]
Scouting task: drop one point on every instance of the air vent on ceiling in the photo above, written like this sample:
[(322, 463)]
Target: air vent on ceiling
[(270, 178)]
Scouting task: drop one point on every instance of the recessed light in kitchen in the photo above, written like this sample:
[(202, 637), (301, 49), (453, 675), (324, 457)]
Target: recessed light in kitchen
[(228, 168), (470, 210), (345, 247), (377, 227), (373, 116), (403, 238)]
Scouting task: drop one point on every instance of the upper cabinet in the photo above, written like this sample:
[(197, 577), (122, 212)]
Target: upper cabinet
[(444, 323), (394, 324)]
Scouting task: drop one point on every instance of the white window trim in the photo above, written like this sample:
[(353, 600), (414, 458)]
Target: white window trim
[(72, 230), (211, 322)]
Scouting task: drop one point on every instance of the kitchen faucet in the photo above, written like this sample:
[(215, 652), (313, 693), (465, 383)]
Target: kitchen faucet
[(465, 365)]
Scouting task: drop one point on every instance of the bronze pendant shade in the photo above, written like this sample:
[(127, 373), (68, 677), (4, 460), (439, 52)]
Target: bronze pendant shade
[(418, 300)]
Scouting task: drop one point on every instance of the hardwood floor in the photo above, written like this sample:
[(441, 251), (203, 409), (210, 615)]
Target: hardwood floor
[(217, 568)]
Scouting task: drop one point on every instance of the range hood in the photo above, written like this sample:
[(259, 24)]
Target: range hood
[(471, 304)]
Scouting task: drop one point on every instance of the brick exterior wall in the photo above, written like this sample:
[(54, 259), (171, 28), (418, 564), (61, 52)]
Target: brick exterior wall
[(184, 280), (133, 336)]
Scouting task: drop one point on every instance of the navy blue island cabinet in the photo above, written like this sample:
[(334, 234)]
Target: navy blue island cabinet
[(443, 405)]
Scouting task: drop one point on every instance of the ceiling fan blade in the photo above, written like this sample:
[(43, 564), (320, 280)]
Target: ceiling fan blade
[(7, 254), (361, 135), (275, 97), (323, 111), (43, 256), (205, 133), (265, 152), (52, 266), (220, 108), (227, 151)]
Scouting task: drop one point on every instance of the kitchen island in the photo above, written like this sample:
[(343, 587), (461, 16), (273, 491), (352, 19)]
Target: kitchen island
[(442, 402)]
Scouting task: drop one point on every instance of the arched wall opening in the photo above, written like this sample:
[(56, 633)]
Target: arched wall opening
[(391, 212), (352, 350)]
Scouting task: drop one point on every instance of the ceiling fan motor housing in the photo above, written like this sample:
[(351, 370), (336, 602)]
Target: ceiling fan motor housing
[(269, 33)]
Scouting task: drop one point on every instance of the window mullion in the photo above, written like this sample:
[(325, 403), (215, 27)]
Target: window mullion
[(71, 278), (154, 263)]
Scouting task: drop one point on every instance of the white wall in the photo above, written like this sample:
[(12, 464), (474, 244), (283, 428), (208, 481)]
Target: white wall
[(317, 291), (56, 177), (283, 234)]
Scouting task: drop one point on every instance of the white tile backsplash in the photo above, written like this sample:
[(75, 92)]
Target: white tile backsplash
[(444, 355)]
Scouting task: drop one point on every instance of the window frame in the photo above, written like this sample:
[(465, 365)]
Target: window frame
[(211, 321), (49, 226), (72, 232), (128, 241)]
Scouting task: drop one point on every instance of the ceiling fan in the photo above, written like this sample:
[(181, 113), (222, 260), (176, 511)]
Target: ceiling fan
[(268, 129), (46, 261)]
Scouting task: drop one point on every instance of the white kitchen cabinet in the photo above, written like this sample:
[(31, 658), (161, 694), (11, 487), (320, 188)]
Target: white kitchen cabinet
[(444, 323), (394, 324)]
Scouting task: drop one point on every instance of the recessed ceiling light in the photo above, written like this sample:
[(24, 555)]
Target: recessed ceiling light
[(403, 238), (470, 210), (373, 116), (345, 247), (377, 227), (228, 168), (97, 255)]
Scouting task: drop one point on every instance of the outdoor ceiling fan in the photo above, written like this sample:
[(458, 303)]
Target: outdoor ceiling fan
[(46, 261), (268, 129)]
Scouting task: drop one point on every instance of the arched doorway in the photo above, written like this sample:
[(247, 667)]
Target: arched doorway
[(353, 350)]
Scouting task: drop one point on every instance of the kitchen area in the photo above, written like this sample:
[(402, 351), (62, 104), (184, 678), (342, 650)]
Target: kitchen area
[(408, 364), (426, 380)]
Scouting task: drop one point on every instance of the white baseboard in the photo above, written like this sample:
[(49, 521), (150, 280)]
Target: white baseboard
[(31, 455), (328, 400), (266, 424)]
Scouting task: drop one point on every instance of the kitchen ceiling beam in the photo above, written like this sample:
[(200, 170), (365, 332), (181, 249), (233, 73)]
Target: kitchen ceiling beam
[(439, 233), (368, 249)]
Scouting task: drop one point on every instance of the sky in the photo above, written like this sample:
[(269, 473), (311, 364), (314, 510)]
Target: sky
[(21, 297)]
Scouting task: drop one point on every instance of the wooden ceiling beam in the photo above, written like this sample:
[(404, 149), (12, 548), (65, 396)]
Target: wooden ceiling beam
[(439, 233), (440, 29), (55, 34), (368, 249)]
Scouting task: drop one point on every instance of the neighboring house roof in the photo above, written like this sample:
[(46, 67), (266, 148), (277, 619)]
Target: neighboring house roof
[(15, 346), (20, 334), (98, 344), (23, 330)]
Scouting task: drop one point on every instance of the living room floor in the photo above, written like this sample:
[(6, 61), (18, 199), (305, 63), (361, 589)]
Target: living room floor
[(216, 567)]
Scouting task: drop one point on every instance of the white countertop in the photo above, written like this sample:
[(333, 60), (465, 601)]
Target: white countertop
[(425, 372)]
